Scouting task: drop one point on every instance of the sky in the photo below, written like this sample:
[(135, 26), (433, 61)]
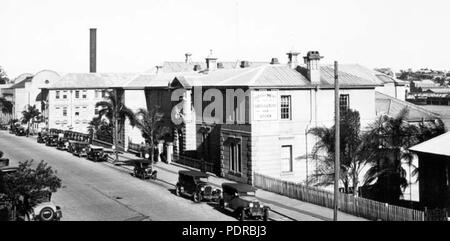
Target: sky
[(134, 36)]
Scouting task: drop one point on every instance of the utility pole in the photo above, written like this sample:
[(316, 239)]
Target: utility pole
[(337, 147), (116, 124)]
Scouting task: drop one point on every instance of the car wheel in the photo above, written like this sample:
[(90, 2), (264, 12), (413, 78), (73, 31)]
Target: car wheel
[(242, 215), (197, 197), (47, 214), (154, 175), (177, 190), (222, 204), (266, 215)]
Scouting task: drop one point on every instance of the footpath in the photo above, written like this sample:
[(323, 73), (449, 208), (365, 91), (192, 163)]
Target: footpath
[(282, 208)]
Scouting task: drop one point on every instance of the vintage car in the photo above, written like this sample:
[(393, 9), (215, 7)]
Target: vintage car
[(20, 131), (80, 148), (43, 210), (97, 154), (62, 144), (42, 137), (4, 127), (240, 199), (195, 184), (142, 168), (51, 140)]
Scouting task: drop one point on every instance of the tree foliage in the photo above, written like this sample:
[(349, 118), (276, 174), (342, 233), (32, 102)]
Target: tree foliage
[(113, 107), (30, 184), (388, 140), (151, 125), (352, 155), (3, 76)]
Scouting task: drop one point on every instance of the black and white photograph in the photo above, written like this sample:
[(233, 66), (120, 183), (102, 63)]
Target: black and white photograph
[(224, 110)]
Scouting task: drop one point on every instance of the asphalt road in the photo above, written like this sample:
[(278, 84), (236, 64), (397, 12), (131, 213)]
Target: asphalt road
[(95, 191)]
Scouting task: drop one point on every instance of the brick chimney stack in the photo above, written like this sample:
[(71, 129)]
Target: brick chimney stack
[(93, 50), (312, 61), (211, 62), (292, 59), (188, 58)]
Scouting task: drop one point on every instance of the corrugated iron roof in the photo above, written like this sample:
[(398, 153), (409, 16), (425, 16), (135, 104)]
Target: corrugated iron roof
[(391, 106), (21, 83), (435, 145), (177, 66), (92, 80), (276, 76)]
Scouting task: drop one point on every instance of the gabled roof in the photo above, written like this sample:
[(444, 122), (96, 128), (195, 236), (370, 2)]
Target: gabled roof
[(92, 80), (153, 80), (391, 106), (177, 66), (435, 145), (21, 83), (366, 73), (275, 76)]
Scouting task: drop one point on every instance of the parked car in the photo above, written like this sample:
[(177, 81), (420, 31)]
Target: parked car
[(62, 143), (20, 131), (52, 140), (3, 127), (42, 137), (195, 184), (80, 148), (240, 199), (44, 210), (142, 168), (96, 153)]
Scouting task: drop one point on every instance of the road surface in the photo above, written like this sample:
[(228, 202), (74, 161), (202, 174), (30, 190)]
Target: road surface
[(95, 191)]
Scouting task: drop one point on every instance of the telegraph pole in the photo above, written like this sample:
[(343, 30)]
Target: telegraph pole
[(337, 147)]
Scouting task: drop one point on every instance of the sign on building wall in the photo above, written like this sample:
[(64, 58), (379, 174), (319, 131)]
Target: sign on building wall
[(264, 105)]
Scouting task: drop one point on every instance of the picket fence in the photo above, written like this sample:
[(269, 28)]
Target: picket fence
[(350, 204)]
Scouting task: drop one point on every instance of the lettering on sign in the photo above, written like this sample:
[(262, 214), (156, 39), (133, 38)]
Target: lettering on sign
[(264, 105)]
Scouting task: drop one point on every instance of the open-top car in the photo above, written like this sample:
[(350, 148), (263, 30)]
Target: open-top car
[(195, 184), (51, 140), (80, 148), (97, 154), (240, 199), (63, 143)]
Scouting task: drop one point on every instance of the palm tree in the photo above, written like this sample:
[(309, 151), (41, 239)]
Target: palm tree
[(388, 140), (352, 154), (7, 106), (115, 111), (30, 115), (151, 125)]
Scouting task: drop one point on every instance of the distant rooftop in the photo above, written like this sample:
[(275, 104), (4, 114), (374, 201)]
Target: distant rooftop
[(92, 80), (434, 146), (391, 106)]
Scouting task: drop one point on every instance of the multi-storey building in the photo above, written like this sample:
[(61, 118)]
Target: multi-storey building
[(72, 99)]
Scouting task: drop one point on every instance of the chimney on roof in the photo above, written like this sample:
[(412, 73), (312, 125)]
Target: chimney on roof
[(197, 67), (188, 58), (211, 62), (312, 61), (274, 61), (93, 50), (158, 68), (244, 64), (292, 59)]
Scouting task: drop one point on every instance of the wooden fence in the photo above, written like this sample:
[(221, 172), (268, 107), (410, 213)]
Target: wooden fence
[(357, 206)]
